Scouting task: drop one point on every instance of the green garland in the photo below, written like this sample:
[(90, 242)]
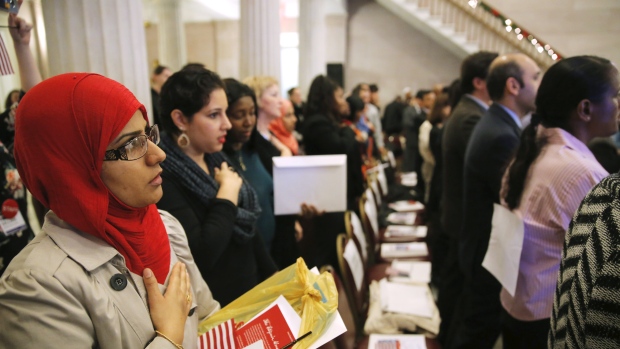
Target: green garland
[(518, 30)]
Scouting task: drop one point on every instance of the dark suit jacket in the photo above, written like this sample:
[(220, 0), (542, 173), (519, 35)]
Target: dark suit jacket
[(456, 133), (490, 149), (413, 118), (393, 118)]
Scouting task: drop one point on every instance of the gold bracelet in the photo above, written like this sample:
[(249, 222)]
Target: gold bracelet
[(179, 346)]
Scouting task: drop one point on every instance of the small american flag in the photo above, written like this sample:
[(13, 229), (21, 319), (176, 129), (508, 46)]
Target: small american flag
[(5, 62), (388, 344), (220, 337)]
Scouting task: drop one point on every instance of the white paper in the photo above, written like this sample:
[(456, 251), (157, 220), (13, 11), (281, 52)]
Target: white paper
[(256, 345), (391, 158), (358, 231), (12, 225), (405, 299), (405, 341), (406, 218), (406, 206), (408, 231), (371, 211), (293, 320), (382, 180), (335, 329), (374, 185), (352, 256), (505, 245), (403, 249), (409, 179), (319, 180), (412, 272)]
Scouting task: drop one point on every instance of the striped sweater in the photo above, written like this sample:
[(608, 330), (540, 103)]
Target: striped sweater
[(586, 307)]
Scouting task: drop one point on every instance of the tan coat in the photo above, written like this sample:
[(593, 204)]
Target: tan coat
[(56, 294)]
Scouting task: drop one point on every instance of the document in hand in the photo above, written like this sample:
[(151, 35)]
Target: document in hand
[(314, 298), (406, 299), (276, 326), (319, 180), (396, 341), (404, 249), (505, 245)]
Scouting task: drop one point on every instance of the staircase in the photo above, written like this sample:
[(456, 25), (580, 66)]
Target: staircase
[(464, 27)]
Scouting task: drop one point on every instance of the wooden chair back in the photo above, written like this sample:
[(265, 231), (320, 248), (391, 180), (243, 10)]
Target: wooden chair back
[(355, 231), (348, 339), (370, 222), (348, 262)]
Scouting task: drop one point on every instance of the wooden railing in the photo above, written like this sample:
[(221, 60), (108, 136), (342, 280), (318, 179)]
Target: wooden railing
[(488, 28)]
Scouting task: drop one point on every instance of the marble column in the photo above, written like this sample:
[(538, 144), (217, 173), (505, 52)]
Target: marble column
[(260, 38), (312, 42), (100, 36), (171, 34)]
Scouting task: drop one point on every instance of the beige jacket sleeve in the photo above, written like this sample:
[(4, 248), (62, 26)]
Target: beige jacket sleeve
[(57, 294), (206, 305), (39, 312)]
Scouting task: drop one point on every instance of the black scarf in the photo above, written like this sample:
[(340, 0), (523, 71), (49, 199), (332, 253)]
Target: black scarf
[(195, 179)]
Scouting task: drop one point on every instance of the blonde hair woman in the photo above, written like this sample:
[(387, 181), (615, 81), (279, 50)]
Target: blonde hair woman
[(267, 91)]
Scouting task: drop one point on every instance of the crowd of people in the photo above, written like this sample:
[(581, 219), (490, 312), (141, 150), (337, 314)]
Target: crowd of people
[(152, 228)]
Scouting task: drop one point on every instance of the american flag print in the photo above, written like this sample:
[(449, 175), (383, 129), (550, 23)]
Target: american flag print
[(388, 344), (5, 62), (220, 337)]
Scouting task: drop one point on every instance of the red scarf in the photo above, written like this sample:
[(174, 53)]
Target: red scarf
[(277, 129), (63, 126)]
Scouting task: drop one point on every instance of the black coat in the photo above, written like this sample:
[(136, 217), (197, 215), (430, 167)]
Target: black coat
[(229, 268), (456, 134), (266, 151), (490, 149), (322, 136), (413, 118), (393, 118)]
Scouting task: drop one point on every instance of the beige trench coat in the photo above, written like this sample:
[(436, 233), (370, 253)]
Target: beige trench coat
[(57, 294)]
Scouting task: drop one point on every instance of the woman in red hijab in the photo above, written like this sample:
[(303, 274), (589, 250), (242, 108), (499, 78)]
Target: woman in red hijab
[(107, 270)]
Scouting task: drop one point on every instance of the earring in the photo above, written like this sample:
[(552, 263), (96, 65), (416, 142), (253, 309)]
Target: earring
[(183, 140)]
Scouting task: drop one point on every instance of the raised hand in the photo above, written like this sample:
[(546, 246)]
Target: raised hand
[(20, 30)]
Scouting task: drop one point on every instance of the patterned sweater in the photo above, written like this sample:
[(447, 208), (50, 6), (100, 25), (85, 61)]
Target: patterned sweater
[(586, 307)]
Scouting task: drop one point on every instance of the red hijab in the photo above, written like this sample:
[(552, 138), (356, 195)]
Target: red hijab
[(62, 128)]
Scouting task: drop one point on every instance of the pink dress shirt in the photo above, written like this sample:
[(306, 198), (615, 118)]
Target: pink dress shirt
[(557, 182)]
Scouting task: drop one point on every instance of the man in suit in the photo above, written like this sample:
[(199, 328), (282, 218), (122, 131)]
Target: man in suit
[(457, 130), (413, 117), (512, 84)]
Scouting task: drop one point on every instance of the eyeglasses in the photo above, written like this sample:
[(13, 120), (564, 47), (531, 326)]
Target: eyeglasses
[(135, 148)]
